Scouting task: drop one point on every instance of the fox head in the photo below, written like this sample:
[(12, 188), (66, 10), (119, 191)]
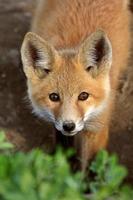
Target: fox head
[(68, 87)]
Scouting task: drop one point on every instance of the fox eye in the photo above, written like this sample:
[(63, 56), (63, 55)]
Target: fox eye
[(54, 97), (89, 68), (83, 96)]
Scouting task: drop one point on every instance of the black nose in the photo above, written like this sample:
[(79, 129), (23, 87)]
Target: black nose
[(68, 126)]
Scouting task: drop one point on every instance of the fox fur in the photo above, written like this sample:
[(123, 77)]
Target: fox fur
[(74, 47)]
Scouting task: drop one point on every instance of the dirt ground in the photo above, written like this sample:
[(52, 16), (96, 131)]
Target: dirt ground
[(15, 114)]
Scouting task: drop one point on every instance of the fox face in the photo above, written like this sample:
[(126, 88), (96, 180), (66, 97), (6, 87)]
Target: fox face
[(68, 87)]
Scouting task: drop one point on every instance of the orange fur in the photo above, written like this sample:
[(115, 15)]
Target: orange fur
[(67, 23), (63, 26)]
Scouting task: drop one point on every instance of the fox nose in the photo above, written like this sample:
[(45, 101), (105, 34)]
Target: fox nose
[(68, 126)]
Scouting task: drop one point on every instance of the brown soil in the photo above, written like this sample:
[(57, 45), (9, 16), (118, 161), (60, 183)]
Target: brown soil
[(15, 114)]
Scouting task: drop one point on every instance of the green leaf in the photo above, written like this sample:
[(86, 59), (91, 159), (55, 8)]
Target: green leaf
[(39, 176)]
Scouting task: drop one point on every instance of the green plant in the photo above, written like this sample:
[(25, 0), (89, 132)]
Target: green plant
[(38, 176), (4, 145), (108, 179)]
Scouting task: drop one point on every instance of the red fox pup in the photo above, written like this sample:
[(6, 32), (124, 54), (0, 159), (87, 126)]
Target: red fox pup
[(72, 59)]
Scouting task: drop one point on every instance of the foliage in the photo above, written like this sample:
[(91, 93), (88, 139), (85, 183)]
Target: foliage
[(108, 179), (4, 145), (38, 176)]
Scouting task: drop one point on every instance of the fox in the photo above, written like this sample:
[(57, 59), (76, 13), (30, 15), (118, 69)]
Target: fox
[(73, 57)]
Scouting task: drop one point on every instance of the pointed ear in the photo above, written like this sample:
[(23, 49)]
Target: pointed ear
[(96, 53), (37, 55)]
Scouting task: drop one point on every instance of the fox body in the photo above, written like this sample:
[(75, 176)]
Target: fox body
[(72, 59)]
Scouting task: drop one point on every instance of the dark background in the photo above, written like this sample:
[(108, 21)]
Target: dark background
[(22, 128)]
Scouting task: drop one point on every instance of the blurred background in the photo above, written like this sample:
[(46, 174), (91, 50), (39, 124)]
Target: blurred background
[(24, 129)]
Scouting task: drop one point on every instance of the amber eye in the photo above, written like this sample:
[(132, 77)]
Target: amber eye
[(83, 96), (54, 97)]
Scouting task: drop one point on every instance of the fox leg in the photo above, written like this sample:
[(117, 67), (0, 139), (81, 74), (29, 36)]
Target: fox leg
[(87, 144)]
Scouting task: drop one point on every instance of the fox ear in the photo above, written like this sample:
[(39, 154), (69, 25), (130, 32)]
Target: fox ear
[(96, 53), (37, 55)]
